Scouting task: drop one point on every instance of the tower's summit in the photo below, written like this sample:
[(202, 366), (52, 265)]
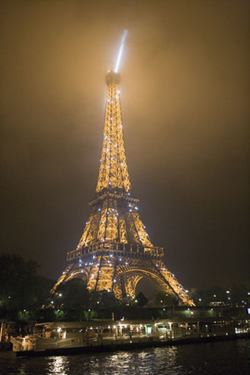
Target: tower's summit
[(113, 172), (112, 77), (115, 250)]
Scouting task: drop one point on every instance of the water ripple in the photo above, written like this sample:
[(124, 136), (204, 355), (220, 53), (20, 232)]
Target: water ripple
[(229, 358)]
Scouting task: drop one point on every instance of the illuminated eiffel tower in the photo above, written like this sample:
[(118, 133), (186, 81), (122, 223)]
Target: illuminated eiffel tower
[(115, 250)]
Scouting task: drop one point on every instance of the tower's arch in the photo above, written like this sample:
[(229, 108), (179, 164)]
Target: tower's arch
[(133, 277)]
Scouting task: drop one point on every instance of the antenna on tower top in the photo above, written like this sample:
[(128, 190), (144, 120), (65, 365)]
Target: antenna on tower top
[(120, 51)]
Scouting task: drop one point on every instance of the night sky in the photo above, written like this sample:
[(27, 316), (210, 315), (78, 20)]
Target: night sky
[(185, 100)]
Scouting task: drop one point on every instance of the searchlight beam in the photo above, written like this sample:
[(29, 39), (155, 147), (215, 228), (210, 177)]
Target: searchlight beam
[(120, 51)]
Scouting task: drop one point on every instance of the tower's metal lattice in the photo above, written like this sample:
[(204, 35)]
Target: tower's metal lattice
[(115, 250)]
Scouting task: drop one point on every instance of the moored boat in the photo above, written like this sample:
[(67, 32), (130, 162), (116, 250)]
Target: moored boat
[(63, 338)]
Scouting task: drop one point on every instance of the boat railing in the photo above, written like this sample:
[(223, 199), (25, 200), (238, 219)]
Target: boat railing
[(22, 343), (51, 344)]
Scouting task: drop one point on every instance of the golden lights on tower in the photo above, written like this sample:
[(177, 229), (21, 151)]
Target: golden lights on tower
[(115, 251)]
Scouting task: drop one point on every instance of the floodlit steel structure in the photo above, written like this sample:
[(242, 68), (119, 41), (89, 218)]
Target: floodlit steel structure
[(115, 250)]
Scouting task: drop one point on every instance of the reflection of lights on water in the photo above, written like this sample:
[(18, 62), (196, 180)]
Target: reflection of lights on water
[(149, 361), (59, 365)]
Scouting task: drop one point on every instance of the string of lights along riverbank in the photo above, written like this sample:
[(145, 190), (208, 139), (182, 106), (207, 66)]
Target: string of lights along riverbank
[(115, 250)]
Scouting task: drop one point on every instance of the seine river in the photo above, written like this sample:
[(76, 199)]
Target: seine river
[(230, 358)]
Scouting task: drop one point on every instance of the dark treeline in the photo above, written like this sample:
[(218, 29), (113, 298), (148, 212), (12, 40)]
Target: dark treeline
[(235, 295), (25, 295), (22, 290)]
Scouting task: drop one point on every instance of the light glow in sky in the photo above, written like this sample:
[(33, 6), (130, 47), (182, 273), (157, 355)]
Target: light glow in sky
[(120, 51)]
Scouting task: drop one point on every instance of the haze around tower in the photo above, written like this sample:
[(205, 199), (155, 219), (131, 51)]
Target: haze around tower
[(185, 108)]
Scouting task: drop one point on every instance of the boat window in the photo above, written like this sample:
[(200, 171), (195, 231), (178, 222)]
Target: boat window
[(76, 330)]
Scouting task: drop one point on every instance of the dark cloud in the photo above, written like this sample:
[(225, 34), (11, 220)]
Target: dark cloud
[(185, 102)]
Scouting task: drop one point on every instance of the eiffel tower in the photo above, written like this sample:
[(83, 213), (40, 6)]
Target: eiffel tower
[(115, 250)]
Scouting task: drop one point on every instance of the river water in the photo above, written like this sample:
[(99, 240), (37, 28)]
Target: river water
[(229, 358)]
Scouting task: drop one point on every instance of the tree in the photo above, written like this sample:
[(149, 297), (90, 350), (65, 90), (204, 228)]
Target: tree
[(141, 299), (233, 296), (17, 281), (73, 295), (165, 299), (21, 288)]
